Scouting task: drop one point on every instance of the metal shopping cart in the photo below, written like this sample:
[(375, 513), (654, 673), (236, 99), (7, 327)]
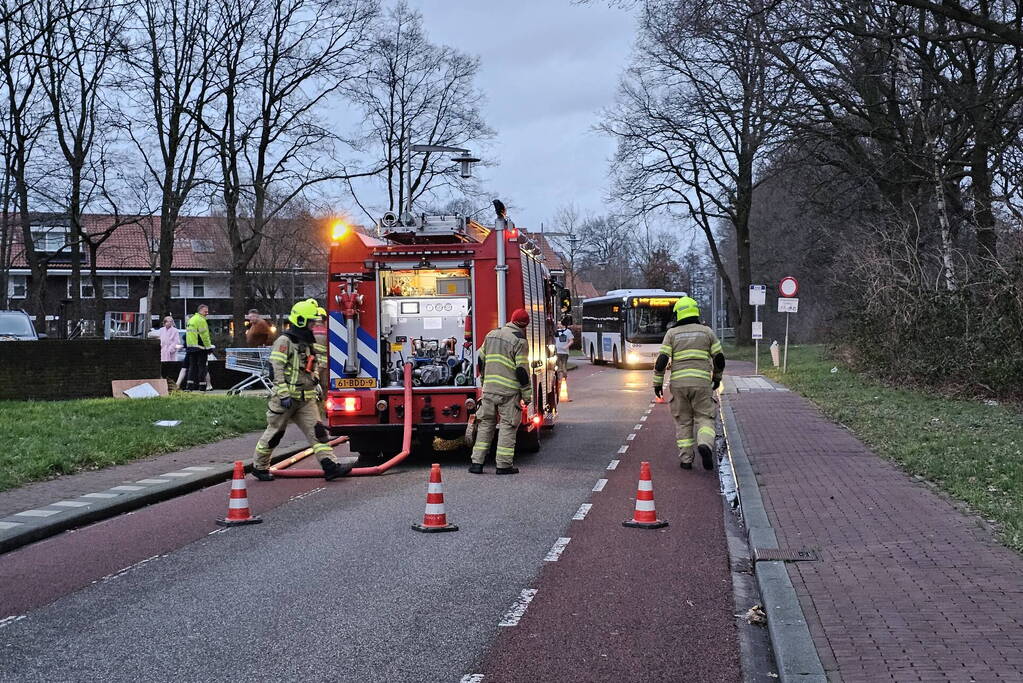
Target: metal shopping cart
[(254, 362)]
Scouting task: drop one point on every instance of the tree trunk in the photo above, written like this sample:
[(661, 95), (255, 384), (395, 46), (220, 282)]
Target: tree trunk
[(238, 302), (983, 216)]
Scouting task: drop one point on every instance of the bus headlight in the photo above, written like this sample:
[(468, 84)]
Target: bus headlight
[(632, 357)]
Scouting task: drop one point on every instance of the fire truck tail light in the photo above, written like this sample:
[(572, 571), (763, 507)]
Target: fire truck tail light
[(351, 404), (537, 420), (329, 404)]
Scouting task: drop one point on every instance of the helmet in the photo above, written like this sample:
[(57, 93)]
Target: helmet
[(686, 307), (302, 312), (320, 312)]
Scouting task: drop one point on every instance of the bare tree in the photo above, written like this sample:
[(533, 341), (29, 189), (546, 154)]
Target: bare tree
[(567, 237), (25, 118), (279, 67), (697, 113), (415, 92), (170, 51)]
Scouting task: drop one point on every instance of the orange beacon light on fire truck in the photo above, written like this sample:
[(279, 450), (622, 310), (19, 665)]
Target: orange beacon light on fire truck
[(338, 230)]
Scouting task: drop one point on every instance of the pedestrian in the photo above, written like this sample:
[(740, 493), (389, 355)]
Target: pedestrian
[(503, 365), (562, 343), (170, 341), (259, 332), (697, 363), (296, 395), (197, 349)]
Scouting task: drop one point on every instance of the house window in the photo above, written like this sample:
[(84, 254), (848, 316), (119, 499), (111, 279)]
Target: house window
[(115, 287), (198, 286), (17, 286), (154, 245), (202, 246), (175, 288), (85, 288), (50, 239)]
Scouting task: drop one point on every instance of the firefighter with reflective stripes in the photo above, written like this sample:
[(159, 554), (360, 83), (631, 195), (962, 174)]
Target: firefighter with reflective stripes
[(296, 396), (694, 354), (503, 363)]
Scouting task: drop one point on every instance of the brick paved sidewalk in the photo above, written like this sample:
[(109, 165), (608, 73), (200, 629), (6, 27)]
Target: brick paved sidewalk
[(909, 588), (74, 485)]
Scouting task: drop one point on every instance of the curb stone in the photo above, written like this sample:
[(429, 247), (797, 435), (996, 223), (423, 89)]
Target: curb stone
[(19, 530), (794, 651)]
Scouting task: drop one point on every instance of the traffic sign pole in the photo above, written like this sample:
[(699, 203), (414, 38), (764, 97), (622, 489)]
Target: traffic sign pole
[(785, 361), (757, 298)]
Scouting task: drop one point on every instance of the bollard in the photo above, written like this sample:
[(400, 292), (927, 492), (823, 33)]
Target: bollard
[(775, 354)]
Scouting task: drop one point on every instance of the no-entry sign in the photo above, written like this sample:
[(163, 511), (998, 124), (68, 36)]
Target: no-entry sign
[(788, 286)]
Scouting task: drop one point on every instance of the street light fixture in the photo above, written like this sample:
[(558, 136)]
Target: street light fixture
[(465, 160)]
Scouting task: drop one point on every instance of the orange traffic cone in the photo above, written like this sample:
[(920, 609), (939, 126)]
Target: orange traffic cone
[(238, 504), (434, 519), (645, 516), (563, 393)]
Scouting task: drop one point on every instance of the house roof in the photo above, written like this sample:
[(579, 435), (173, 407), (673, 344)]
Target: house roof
[(200, 242), (554, 259)]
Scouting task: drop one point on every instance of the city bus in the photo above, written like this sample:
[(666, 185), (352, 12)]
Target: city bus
[(625, 327)]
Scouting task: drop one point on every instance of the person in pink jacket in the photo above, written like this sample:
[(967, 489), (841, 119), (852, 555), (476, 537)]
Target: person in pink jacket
[(170, 342)]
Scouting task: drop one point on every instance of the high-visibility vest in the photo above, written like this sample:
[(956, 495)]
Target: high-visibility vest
[(504, 350), (691, 349), (197, 333)]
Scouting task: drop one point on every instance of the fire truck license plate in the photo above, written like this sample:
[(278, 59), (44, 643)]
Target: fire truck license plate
[(354, 383)]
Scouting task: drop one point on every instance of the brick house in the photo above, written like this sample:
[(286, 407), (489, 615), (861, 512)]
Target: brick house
[(291, 264)]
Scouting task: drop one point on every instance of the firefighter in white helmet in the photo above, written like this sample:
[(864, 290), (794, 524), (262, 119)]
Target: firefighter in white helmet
[(697, 363)]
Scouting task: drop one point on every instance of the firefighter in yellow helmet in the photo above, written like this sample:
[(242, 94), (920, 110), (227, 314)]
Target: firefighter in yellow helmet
[(296, 395), (694, 354)]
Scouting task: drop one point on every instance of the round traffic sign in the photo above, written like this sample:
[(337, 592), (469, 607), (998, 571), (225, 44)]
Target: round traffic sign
[(788, 286)]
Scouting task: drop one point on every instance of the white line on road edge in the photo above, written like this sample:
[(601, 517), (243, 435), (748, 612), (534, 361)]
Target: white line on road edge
[(643, 418), (218, 531), (518, 610), (580, 514), (130, 567), (630, 437), (7, 621), (637, 427), (599, 486), (472, 678), (613, 465), (555, 552), (623, 449)]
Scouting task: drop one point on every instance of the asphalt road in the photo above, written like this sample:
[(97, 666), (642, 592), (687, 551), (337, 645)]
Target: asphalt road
[(335, 586)]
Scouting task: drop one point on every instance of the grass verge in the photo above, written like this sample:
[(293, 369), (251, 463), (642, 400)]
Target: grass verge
[(48, 438), (969, 449)]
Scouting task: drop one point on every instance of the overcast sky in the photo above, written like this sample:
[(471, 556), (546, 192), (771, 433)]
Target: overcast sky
[(547, 68)]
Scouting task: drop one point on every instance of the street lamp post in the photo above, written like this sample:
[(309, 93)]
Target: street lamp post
[(465, 160)]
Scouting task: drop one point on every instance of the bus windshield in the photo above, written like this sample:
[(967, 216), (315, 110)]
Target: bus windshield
[(647, 325)]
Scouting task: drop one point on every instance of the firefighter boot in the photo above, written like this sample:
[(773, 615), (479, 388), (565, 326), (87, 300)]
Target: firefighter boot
[(262, 475), (685, 465), (507, 470), (476, 468), (707, 455), (332, 470)]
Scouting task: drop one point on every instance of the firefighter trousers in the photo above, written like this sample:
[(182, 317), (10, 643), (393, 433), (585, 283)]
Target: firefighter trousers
[(305, 414), (493, 409), (693, 409)]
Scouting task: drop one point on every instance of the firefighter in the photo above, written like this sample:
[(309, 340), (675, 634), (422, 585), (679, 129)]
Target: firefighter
[(506, 385), (296, 396), (696, 360)]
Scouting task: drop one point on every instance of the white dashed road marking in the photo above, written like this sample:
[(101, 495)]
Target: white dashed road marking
[(555, 552), (472, 678), (580, 514), (637, 427), (613, 465), (518, 610), (623, 449), (7, 621), (643, 418), (129, 568), (630, 437), (599, 486)]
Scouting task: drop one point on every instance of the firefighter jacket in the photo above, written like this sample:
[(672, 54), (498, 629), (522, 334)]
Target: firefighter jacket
[(197, 333), (290, 354), (690, 349), (503, 362)]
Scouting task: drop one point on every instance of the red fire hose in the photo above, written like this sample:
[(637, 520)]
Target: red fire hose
[(406, 445)]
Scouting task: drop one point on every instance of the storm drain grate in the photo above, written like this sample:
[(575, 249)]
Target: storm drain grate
[(785, 555)]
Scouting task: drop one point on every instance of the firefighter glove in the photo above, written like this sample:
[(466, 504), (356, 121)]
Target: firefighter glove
[(286, 402), (657, 390), (716, 384)]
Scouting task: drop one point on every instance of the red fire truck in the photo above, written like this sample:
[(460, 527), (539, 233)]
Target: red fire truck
[(426, 294)]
